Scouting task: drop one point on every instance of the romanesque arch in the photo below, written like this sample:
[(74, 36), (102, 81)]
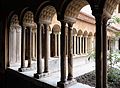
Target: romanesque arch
[(55, 41), (45, 16)]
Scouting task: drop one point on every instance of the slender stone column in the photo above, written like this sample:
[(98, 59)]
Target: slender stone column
[(18, 43), (83, 42), (70, 52), (74, 44), (36, 44), (46, 47), (80, 45), (23, 50), (67, 45), (10, 45), (89, 43), (86, 40), (104, 53), (55, 45), (99, 51), (61, 84), (59, 44), (30, 47), (92, 42), (33, 45), (39, 52), (12, 42)]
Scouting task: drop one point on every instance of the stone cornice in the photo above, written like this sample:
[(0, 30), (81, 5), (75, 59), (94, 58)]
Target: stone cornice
[(86, 17)]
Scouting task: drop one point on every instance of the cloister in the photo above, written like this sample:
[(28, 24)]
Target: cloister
[(44, 29)]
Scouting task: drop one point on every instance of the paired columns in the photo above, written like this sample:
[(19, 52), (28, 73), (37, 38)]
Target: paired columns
[(62, 83), (23, 45), (39, 50)]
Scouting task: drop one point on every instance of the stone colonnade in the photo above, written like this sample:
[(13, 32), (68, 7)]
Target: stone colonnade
[(101, 52)]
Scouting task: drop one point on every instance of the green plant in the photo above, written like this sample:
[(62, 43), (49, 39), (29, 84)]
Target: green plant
[(113, 74), (91, 54)]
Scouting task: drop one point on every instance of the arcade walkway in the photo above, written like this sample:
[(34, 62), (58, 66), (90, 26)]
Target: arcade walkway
[(81, 66)]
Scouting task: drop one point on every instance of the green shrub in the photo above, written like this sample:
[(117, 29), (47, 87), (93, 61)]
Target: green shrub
[(113, 75)]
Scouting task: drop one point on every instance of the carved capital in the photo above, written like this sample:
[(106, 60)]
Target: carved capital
[(44, 22), (70, 20)]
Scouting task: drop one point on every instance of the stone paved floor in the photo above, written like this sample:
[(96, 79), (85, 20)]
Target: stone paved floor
[(81, 66)]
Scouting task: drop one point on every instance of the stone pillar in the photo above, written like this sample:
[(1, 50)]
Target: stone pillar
[(30, 46), (18, 43), (59, 44), (33, 44), (88, 44), (12, 45), (104, 53), (47, 44), (86, 40), (80, 45), (55, 45), (74, 44), (83, 44), (92, 42), (36, 44), (70, 52), (99, 51), (67, 45), (39, 52), (22, 50), (61, 84)]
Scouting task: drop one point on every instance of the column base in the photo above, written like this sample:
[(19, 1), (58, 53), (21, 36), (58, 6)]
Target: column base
[(45, 74), (67, 83), (38, 75), (41, 75), (25, 69)]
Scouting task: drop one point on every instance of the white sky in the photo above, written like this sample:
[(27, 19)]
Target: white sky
[(87, 9)]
